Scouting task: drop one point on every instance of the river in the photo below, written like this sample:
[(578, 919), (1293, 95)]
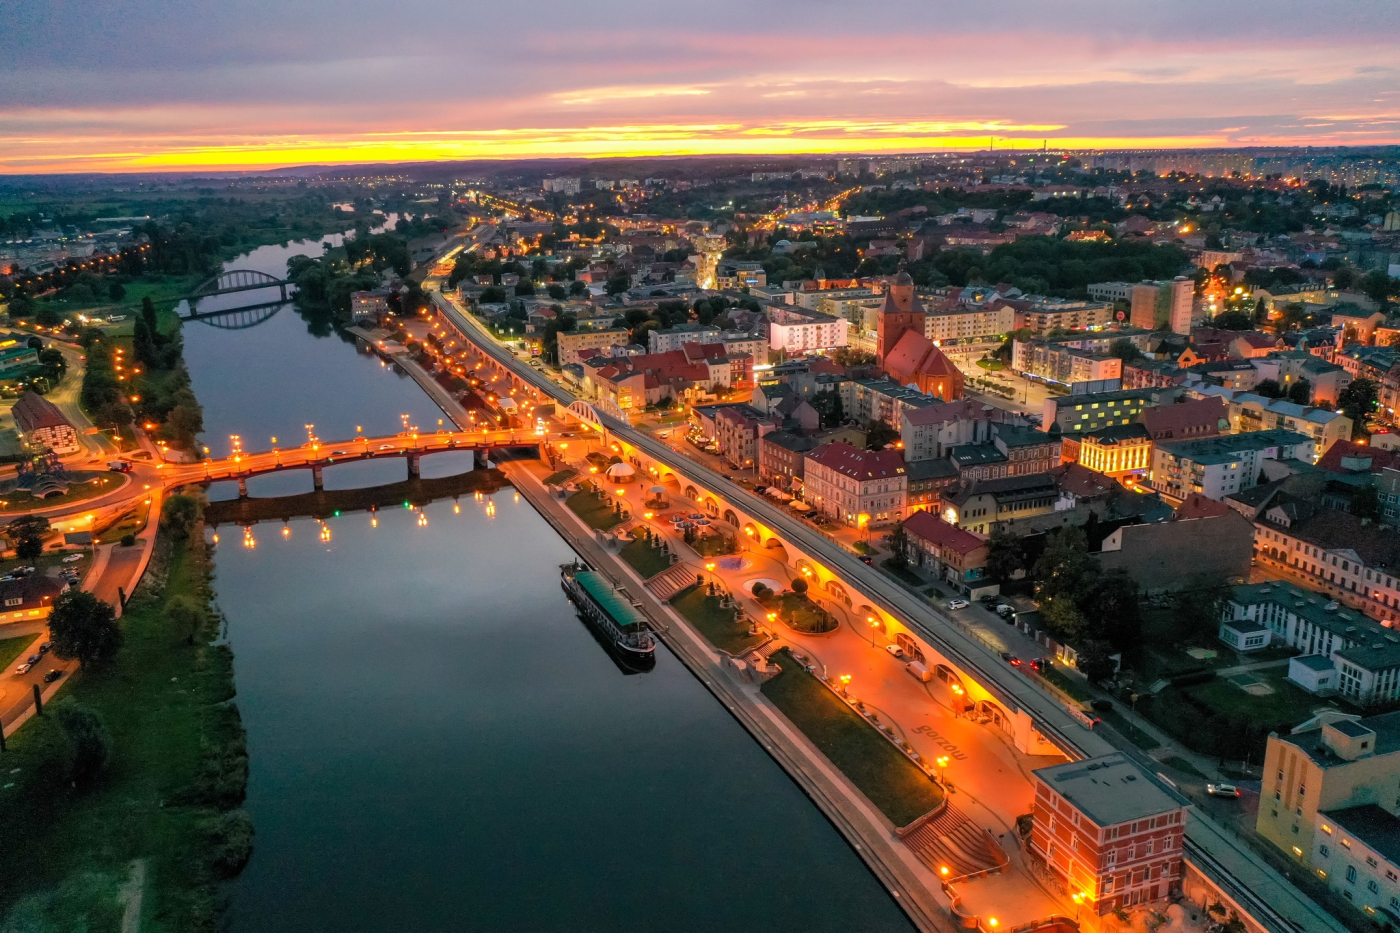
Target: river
[(436, 741)]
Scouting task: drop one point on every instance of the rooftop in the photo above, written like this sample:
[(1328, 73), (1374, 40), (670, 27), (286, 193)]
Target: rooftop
[(859, 464), (1373, 826), (1386, 726), (1230, 446), (1111, 789), (927, 526)]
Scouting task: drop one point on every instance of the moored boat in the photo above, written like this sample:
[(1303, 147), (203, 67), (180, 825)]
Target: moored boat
[(607, 610)]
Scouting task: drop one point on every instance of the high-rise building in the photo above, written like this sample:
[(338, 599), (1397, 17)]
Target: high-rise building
[(1164, 305)]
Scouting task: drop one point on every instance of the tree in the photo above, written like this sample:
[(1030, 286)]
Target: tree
[(1357, 401), (899, 546), (1269, 388), (879, 434), (89, 742), (828, 405), (179, 514), (1004, 555), (1065, 567), (1063, 618), (184, 616), (1111, 609), (1125, 350), (1300, 392), (556, 291), (84, 628), (1095, 661), (27, 534), (799, 586), (618, 284), (1198, 611)]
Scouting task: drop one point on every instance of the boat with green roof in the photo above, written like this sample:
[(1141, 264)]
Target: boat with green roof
[(608, 611)]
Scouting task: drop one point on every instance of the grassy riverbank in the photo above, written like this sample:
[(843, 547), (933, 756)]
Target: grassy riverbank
[(177, 768), (891, 781)]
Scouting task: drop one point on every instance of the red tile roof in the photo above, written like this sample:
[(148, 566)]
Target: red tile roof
[(859, 464), (1199, 418), (33, 411), (1199, 506), (1360, 458), (927, 526)]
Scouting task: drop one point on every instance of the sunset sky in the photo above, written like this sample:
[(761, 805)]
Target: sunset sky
[(140, 85)]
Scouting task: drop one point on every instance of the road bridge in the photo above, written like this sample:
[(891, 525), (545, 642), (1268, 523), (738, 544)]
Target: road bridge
[(316, 455), (1033, 719)]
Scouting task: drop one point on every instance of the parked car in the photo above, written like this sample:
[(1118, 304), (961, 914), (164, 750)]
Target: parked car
[(1011, 659), (896, 651), (34, 659), (23, 668), (52, 675), (866, 559), (1222, 790), (1005, 611), (44, 647), (987, 599), (72, 558), (958, 604)]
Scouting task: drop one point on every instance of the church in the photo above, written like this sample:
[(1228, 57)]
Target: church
[(902, 350)]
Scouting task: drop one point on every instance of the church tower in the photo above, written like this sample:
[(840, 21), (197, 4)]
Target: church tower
[(902, 312)]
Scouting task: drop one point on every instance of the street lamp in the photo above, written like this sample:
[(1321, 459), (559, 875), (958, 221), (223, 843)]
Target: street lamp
[(874, 624), (1078, 899), (942, 762), (845, 684)]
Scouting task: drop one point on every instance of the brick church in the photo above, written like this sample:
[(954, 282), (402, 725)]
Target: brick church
[(902, 350)]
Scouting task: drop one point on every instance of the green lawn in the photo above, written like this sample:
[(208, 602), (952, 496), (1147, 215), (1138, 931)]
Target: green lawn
[(1075, 687), (1182, 765), (558, 479), (889, 779), (591, 507), (1129, 731), (177, 760), (714, 622), (19, 500), (713, 545), (647, 560), (12, 648)]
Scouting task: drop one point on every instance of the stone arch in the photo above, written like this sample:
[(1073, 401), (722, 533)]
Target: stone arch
[(837, 591), (692, 493), (806, 570), (732, 518), (867, 613), (997, 715), (711, 505)]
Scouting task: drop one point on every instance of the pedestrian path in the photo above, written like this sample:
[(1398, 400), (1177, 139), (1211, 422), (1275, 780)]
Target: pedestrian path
[(669, 582)]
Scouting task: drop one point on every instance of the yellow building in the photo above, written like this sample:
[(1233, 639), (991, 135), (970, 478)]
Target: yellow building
[(1123, 451)]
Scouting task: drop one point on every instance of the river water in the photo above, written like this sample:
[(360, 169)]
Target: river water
[(436, 741)]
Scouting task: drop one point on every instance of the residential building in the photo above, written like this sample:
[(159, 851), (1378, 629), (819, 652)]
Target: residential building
[(950, 552), (737, 430), (868, 400), (932, 431), (1198, 546), (1326, 380), (673, 338), (1164, 305), (781, 458), (40, 423), (1217, 467), (28, 598), (369, 305), (731, 274), (859, 488), (1184, 420), (15, 356), (1320, 782), (983, 504), (1249, 412), (963, 323), (1351, 559), (1050, 314), (927, 482), (1111, 291), (1055, 361), (1010, 450), (571, 342), (1109, 831), (797, 332)]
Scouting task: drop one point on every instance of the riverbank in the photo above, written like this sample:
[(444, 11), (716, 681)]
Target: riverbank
[(869, 833), (176, 770)]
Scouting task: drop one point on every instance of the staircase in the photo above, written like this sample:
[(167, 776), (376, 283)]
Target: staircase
[(948, 839), (671, 581)]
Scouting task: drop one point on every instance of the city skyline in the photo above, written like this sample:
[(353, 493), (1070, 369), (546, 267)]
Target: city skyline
[(202, 87)]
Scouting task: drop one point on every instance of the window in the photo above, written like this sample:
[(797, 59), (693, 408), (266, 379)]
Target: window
[(1351, 874), (1323, 851), (1370, 861), (15, 601), (1373, 887)]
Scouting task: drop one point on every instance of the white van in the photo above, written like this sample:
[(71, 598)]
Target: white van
[(919, 671)]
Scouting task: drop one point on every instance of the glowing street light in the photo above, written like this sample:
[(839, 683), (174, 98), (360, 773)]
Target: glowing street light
[(942, 762), (845, 683)]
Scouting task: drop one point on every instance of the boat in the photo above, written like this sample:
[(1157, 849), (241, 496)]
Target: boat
[(608, 611)]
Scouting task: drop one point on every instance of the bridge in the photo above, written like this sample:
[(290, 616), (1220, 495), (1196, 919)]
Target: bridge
[(233, 281), (1034, 721), (316, 455)]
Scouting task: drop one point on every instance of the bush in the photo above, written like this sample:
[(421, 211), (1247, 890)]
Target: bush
[(1192, 678), (89, 742), (229, 839), (128, 540)]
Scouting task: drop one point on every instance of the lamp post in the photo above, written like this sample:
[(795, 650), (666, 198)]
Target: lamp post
[(845, 684), (942, 762), (1078, 899), (874, 623)]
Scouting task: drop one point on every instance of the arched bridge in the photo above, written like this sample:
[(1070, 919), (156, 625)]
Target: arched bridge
[(318, 455), (238, 280), (237, 318)]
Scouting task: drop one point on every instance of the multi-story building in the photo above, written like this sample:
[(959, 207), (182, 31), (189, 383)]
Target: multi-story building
[(970, 323), (1111, 832), (1123, 451), (1055, 361), (1217, 467), (1290, 367), (369, 305), (1060, 314), (673, 338), (1352, 560), (859, 488), (802, 333), (927, 481), (956, 555), (1080, 413), (983, 504), (731, 274), (1249, 412), (1164, 305), (782, 457), (930, 432), (1329, 798), (868, 400), (737, 430), (571, 342), (1010, 450), (1111, 291), (40, 424)]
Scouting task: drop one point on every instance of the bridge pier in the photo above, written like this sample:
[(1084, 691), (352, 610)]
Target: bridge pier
[(316, 481), (480, 460), (413, 467), (242, 487)]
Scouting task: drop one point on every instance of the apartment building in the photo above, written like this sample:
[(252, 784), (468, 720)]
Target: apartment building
[(571, 342), (1217, 467), (1059, 314), (673, 338), (1164, 305), (970, 323), (1250, 412), (859, 488), (1110, 831), (1089, 412), (803, 333), (983, 504), (950, 552), (868, 400), (1054, 361)]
